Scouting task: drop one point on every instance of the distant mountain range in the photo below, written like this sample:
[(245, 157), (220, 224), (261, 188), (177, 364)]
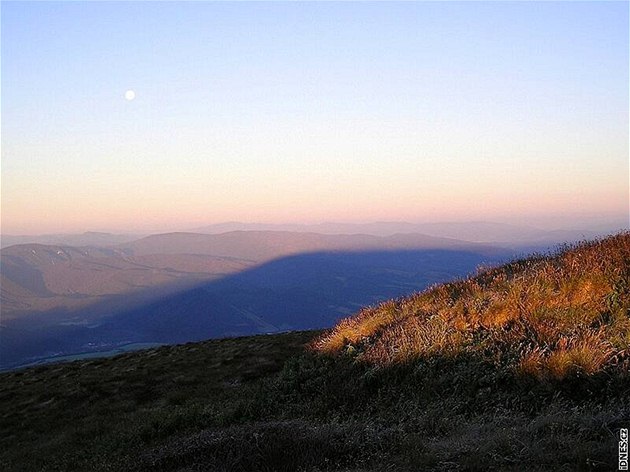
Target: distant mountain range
[(502, 234), (59, 300), (475, 231), (261, 246), (90, 238)]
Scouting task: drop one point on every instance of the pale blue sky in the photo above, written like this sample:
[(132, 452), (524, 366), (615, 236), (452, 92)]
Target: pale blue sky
[(305, 112)]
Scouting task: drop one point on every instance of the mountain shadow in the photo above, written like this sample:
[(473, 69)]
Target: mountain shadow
[(306, 291)]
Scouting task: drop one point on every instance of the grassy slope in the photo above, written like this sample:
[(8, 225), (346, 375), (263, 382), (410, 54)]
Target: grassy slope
[(524, 367), (550, 317), (88, 415)]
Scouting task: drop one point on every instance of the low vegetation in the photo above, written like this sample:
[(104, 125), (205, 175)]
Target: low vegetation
[(95, 414), (550, 317), (522, 367)]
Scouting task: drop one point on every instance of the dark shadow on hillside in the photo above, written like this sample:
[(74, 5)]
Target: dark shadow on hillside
[(306, 291)]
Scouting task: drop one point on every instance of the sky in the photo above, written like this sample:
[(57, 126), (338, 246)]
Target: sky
[(308, 112)]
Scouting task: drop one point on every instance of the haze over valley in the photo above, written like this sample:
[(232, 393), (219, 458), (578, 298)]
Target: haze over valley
[(178, 287)]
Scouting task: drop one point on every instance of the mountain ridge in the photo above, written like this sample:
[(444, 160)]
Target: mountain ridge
[(263, 245)]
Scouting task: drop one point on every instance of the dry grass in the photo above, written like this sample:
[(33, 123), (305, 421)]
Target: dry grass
[(550, 316)]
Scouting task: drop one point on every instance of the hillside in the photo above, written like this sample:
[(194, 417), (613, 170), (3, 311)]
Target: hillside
[(89, 238), (92, 415), (523, 367), (542, 316), (38, 278)]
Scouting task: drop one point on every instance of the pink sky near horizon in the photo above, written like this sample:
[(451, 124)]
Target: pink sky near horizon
[(324, 111), (82, 218)]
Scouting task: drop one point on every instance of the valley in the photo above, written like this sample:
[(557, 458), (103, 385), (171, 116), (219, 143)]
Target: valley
[(60, 301)]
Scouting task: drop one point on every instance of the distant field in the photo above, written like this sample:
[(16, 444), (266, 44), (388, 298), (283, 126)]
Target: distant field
[(93, 354)]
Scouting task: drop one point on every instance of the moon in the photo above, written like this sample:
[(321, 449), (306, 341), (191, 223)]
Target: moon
[(130, 95)]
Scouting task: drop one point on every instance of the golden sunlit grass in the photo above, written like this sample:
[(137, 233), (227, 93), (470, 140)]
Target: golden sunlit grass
[(549, 317)]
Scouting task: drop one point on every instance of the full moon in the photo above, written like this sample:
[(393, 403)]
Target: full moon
[(130, 95)]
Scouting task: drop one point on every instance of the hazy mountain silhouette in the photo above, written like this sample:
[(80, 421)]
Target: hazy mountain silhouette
[(266, 245), (478, 231), (89, 238)]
